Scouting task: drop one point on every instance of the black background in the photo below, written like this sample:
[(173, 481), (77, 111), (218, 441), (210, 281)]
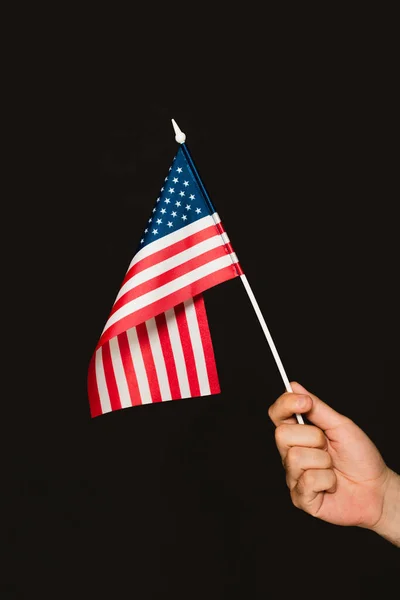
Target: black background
[(188, 499)]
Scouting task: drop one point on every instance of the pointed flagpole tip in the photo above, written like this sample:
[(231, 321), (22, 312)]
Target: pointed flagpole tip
[(179, 135)]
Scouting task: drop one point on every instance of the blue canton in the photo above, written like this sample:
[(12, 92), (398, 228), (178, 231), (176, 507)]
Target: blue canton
[(180, 203)]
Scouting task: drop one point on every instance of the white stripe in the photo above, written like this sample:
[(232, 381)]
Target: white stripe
[(119, 373), (225, 237), (101, 383), (197, 346), (216, 218), (172, 238), (138, 363), (171, 263), (158, 357), (169, 288), (177, 351)]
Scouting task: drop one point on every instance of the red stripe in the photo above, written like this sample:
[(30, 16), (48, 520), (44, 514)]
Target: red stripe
[(207, 344), (167, 302), (93, 392), (187, 350), (148, 360), (168, 276), (229, 249), (169, 251), (129, 369), (220, 227), (110, 378), (169, 359)]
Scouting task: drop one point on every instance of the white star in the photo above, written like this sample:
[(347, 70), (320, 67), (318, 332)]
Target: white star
[(169, 224), (179, 169), (177, 203), (154, 210), (198, 210), (167, 200), (192, 196), (146, 230), (162, 189), (163, 211), (181, 193), (171, 190), (159, 221), (169, 168), (174, 213), (166, 179), (184, 217), (158, 199), (141, 241), (188, 207), (175, 180), (150, 220), (185, 183), (155, 231)]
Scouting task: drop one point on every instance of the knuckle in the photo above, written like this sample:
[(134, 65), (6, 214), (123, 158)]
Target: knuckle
[(329, 461), (332, 477), (295, 497), (280, 434), (290, 482), (293, 457), (320, 438), (308, 478)]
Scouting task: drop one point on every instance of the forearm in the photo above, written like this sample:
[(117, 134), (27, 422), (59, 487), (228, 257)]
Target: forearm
[(388, 525)]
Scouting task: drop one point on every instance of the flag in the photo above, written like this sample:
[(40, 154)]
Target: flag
[(156, 344)]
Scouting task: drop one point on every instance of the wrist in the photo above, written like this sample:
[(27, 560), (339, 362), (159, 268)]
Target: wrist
[(388, 525)]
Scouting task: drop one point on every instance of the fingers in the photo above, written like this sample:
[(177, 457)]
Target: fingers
[(304, 449), (307, 436), (298, 460), (309, 491), (301, 401), (283, 409)]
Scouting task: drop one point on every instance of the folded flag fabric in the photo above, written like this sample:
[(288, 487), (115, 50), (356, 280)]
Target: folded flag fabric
[(156, 344)]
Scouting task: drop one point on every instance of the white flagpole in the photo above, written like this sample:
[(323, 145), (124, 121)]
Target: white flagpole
[(269, 339), (180, 137)]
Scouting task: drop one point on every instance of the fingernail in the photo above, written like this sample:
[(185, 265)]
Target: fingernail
[(301, 402)]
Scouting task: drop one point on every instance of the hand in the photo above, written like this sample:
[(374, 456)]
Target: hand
[(333, 470)]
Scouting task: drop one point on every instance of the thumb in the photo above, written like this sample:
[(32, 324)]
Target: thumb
[(320, 414)]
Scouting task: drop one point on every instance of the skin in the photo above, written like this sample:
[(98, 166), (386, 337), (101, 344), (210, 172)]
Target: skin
[(333, 470)]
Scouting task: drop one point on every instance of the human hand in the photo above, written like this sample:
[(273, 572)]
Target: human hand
[(333, 470)]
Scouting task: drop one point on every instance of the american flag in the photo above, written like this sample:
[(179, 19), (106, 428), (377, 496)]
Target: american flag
[(156, 344)]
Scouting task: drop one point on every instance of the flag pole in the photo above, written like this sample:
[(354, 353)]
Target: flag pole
[(180, 137)]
